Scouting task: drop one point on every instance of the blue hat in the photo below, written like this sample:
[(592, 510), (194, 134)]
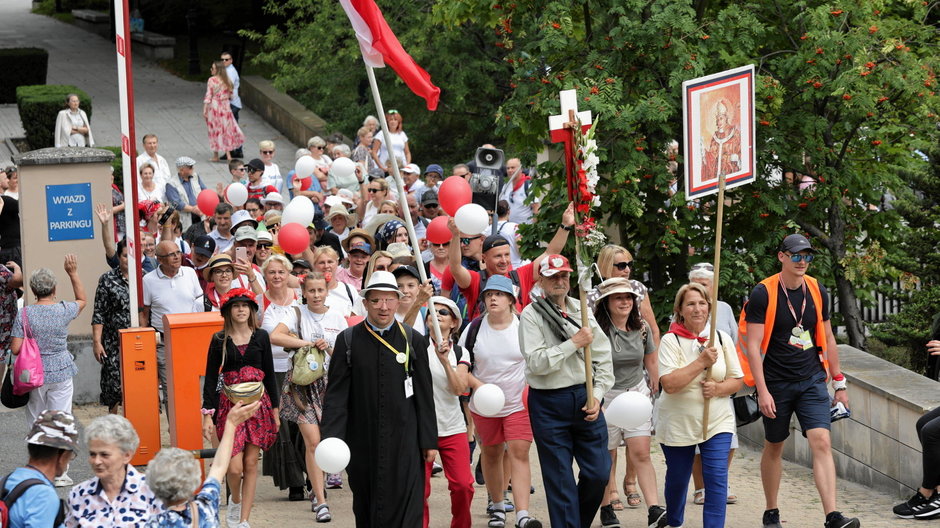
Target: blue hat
[(434, 167), (500, 283)]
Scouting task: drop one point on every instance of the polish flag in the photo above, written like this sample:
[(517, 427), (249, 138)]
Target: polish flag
[(380, 46)]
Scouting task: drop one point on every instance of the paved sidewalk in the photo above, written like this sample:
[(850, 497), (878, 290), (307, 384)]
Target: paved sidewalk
[(165, 104)]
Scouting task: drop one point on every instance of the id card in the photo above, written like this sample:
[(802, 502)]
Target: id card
[(409, 387), (806, 339)]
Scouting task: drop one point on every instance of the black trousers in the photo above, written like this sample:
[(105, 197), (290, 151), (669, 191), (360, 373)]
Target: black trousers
[(928, 430)]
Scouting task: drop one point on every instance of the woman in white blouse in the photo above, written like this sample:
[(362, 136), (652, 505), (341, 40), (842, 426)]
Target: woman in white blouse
[(148, 188), (72, 128)]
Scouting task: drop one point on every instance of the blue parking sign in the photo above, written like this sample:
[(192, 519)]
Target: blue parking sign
[(68, 209)]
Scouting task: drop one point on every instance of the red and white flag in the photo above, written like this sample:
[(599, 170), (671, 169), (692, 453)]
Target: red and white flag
[(380, 46)]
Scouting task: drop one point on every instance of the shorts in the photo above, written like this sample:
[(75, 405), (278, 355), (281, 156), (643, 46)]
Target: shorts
[(616, 435), (499, 430), (809, 399)]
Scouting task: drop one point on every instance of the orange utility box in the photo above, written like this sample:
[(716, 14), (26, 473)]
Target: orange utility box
[(186, 338), (141, 396)]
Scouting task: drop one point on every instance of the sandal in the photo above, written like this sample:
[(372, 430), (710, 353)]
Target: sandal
[(497, 519), (323, 513), (698, 497), (616, 504), (732, 498), (634, 500)]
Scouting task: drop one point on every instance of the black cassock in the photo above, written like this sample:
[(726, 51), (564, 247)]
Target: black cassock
[(366, 407)]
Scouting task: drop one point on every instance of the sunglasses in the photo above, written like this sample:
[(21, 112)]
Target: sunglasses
[(796, 257), (267, 152), (264, 246), (445, 244), (318, 147), (624, 265), (375, 190), (466, 241), (444, 312)]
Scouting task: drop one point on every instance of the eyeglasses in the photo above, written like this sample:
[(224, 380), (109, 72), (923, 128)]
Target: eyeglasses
[(223, 271), (371, 190), (445, 244), (264, 246), (623, 265), (392, 112), (703, 266), (177, 253), (267, 152), (466, 241), (318, 147), (383, 302), (796, 257), (227, 60)]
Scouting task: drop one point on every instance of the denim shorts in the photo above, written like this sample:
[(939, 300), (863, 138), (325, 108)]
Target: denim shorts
[(809, 399)]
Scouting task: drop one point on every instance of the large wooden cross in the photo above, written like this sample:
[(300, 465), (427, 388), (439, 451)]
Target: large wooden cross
[(562, 128)]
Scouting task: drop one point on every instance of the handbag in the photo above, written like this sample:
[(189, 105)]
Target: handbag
[(28, 373), (746, 409), (7, 398), (246, 392), (308, 361)]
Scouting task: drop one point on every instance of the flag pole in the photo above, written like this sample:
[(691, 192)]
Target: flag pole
[(402, 197), (714, 293)]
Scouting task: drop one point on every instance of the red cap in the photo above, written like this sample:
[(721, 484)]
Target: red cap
[(552, 264)]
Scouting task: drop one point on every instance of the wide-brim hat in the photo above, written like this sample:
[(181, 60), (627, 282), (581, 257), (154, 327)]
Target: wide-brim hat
[(218, 261), (616, 285), (381, 281), (340, 210), (357, 233), (54, 429), (238, 295)]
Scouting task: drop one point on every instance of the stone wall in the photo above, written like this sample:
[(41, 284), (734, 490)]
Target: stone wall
[(280, 111), (878, 445)]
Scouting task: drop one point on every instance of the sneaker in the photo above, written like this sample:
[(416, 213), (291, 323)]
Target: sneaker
[(497, 519), (772, 519), (63, 481), (233, 513), (436, 468), (334, 481), (530, 522), (244, 524), (932, 509), (919, 507), (837, 520), (656, 518), (608, 517), (323, 513)]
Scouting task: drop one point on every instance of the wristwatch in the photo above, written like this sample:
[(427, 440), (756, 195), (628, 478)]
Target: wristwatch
[(567, 228)]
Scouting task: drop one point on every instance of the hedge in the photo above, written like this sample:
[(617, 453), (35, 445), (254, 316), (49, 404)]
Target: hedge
[(39, 106), (118, 165), (21, 67)]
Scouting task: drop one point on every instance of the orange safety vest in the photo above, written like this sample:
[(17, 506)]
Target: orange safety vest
[(772, 285)]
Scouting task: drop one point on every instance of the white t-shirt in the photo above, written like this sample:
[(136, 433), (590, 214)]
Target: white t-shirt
[(161, 173), (171, 295), (519, 212), (158, 194), (344, 299), (272, 176), (274, 315), (497, 359), (420, 326), (446, 403), (509, 231), (332, 323), (398, 146)]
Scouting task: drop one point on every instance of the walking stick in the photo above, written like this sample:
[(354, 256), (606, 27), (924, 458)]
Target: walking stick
[(714, 292)]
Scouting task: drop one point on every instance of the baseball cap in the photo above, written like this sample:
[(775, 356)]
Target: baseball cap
[(54, 429), (204, 246), (246, 233), (434, 167), (553, 264), (411, 168), (265, 236), (494, 241), (255, 165), (796, 243), (406, 270), (185, 161), (429, 198), (302, 263), (273, 197)]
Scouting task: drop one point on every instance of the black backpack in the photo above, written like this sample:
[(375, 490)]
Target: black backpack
[(7, 498)]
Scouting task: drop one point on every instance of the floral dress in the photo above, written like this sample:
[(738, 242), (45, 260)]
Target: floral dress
[(113, 312), (224, 132), (206, 501)]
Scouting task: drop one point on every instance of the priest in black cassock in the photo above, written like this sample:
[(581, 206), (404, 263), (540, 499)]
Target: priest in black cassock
[(379, 400)]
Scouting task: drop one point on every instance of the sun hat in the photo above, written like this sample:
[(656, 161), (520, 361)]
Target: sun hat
[(273, 198), (337, 210), (243, 216), (616, 285), (381, 281), (218, 261), (500, 283), (434, 167), (264, 236), (272, 217), (553, 264), (362, 233), (399, 249), (54, 429), (451, 305), (238, 295)]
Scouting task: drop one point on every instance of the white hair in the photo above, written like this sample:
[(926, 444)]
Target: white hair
[(301, 153), (701, 274), (113, 429), (343, 149), (173, 475)]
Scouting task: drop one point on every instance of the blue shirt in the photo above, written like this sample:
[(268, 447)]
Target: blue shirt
[(37, 506), (207, 501)]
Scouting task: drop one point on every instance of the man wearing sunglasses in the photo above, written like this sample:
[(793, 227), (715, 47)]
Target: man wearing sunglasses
[(789, 345)]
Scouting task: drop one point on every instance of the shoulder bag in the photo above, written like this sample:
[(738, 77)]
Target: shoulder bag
[(308, 361), (28, 373)]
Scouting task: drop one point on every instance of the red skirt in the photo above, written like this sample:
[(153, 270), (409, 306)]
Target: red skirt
[(258, 430)]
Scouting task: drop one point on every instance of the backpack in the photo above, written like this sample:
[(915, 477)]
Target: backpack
[(7, 498)]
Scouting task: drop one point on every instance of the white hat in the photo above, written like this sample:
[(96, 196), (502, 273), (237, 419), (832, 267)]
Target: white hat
[(381, 281), (243, 216), (347, 197), (333, 201), (411, 168), (273, 197)]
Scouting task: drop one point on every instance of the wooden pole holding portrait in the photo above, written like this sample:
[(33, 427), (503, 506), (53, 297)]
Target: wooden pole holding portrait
[(720, 153)]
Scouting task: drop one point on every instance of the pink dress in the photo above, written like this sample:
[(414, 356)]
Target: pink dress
[(224, 133)]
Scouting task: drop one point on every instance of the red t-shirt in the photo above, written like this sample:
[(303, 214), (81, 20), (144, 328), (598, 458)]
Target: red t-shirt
[(472, 292), (261, 191)]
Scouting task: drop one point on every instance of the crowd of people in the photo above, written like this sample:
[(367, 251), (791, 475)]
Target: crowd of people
[(340, 340)]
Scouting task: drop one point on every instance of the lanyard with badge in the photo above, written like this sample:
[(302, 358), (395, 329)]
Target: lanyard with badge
[(799, 337), (403, 358)]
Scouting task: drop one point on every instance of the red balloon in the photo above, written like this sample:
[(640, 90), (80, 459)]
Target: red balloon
[(437, 231), (455, 193), (293, 238), (207, 201)]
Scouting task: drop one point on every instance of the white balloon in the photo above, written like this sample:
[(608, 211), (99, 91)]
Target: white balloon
[(343, 168), (629, 410), (305, 166), (488, 399), (471, 219), (236, 194), (300, 210), (332, 455)]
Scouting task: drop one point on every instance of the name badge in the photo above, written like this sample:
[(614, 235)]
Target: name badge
[(409, 387)]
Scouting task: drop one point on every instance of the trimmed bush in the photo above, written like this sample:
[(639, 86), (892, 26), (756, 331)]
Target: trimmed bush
[(39, 106), (118, 165), (21, 67)]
